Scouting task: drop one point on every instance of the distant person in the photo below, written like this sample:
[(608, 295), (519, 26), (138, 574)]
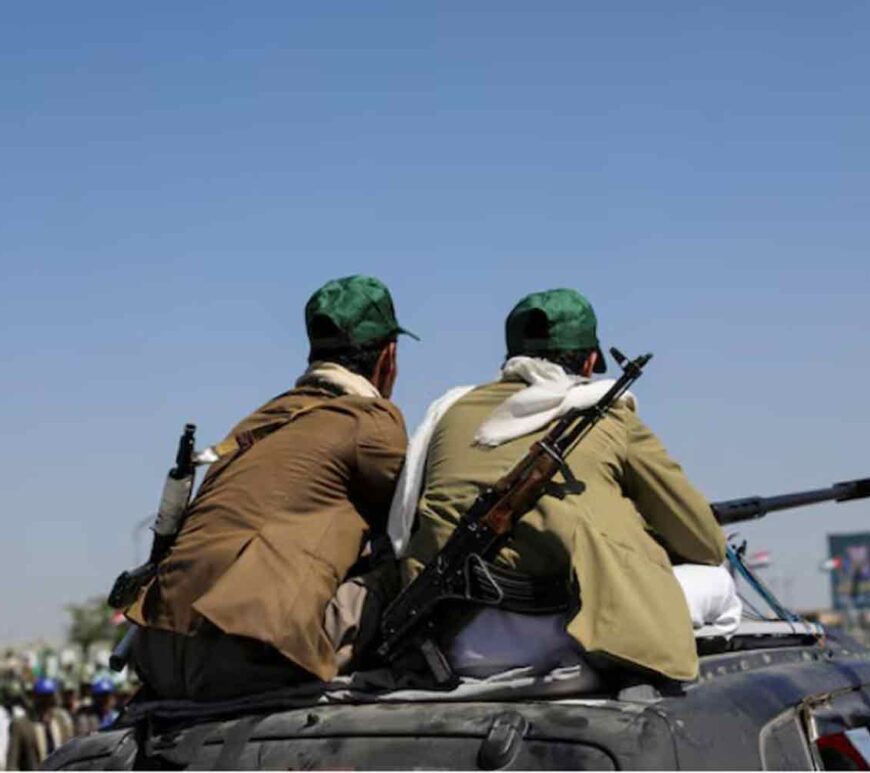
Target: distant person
[(15, 700), (18, 755), (599, 543), (123, 693), (5, 721), (33, 738), (102, 711), (23, 752), (69, 697), (84, 693), (245, 601)]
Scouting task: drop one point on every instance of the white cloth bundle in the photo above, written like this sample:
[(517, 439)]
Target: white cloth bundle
[(711, 596)]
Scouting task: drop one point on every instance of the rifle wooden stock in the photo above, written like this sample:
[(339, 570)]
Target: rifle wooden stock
[(519, 498)]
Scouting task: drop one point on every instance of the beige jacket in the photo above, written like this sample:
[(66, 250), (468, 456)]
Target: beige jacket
[(617, 527)]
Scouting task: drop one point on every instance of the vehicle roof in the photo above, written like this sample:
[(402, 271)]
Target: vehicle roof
[(717, 722)]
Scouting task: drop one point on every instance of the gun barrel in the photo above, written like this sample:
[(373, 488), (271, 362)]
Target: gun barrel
[(120, 656), (184, 457), (736, 510)]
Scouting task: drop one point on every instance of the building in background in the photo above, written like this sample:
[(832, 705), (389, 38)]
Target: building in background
[(849, 565)]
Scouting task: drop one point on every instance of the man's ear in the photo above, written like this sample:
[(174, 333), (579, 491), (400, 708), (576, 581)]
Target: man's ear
[(386, 370), (589, 365)]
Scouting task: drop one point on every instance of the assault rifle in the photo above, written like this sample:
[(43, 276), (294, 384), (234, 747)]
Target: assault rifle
[(167, 524), (173, 503), (409, 621)]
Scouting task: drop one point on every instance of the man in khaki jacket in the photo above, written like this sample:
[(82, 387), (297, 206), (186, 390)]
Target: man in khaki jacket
[(613, 531), (240, 603), (32, 738)]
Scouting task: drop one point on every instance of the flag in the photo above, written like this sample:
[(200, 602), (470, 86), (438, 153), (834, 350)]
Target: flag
[(759, 559)]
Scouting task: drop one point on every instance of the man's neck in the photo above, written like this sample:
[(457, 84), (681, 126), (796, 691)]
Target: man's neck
[(338, 376)]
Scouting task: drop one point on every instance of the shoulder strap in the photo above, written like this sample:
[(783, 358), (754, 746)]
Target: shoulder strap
[(231, 448), (241, 441)]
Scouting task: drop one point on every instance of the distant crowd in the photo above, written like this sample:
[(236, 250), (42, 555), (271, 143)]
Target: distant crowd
[(40, 710)]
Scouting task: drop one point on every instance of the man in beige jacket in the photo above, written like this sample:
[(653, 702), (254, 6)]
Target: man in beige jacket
[(242, 602), (611, 528)]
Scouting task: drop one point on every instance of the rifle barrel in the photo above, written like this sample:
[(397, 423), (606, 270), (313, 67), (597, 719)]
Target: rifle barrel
[(736, 510)]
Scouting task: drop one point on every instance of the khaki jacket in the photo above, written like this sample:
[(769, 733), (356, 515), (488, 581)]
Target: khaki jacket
[(23, 752), (614, 528), (31, 741), (273, 531)]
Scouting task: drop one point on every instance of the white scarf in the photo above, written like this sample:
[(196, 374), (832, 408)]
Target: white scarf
[(551, 394), (340, 377), (410, 483)]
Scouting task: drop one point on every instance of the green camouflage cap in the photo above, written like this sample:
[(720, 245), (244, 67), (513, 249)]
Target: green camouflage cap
[(553, 320), (353, 311)]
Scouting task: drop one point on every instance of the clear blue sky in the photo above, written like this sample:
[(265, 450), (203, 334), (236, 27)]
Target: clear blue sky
[(178, 177)]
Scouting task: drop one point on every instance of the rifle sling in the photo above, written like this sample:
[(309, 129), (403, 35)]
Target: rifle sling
[(242, 441), (488, 584), (234, 446)]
